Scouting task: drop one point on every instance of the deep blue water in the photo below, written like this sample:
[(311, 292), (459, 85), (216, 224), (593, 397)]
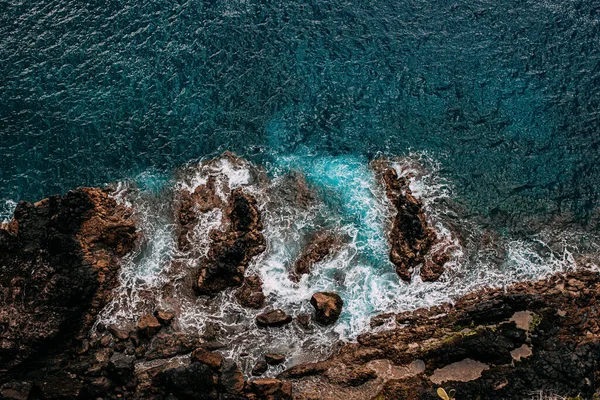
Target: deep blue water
[(504, 94)]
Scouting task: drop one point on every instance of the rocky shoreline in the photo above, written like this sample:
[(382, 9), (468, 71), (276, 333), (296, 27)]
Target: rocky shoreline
[(59, 266)]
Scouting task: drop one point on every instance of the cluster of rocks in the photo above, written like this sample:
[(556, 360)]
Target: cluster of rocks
[(59, 266)]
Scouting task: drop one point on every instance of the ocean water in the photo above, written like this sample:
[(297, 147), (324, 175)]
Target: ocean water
[(491, 108)]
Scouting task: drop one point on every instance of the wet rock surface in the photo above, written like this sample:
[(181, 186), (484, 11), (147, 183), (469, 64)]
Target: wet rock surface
[(274, 318), (471, 346), (328, 307), (232, 250), (320, 246), (250, 294), (411, 238)]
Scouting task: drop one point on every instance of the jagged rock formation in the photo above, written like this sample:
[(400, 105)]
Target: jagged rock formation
[(232, 250), (411, 238), (493, 344)]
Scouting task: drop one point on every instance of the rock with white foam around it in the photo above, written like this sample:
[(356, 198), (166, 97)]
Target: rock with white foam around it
[(275, 318), (328, 307)]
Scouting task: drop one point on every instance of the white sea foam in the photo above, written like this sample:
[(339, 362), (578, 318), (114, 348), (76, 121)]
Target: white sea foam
[(7, 208), (348, 202)]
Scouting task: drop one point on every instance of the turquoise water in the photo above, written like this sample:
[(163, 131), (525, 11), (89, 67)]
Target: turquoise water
[(504, 95)]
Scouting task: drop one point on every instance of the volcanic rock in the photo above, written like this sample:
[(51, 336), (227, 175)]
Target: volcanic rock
[(232, 250), (411, 238), (273, 318), (148, 325), (164, 317), (260, 368), (270, 389), (470, 345), (320, 246), (328, 306), (59, 264), (213, 360), (250, 294), (274, 358)]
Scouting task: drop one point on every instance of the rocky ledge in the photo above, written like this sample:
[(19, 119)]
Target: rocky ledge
[(502, 344)]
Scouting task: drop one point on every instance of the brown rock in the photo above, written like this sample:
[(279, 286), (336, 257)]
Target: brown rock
[(148, 325), (304, 320), (320, 246), (60, 261), (231, 251), (213, 360), (260, 368), (274, 358), (232, 378), (120, 334), (271, 389), (411, 238), (328, 306), (164, 317), (275, 318), (250, 294)]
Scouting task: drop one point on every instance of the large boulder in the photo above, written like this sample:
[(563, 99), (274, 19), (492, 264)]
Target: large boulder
[(328, 307)]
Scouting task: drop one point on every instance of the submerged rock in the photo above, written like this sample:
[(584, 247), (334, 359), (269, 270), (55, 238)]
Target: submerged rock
[(319, 247), (411, 238), (275, 318), (328, 307)]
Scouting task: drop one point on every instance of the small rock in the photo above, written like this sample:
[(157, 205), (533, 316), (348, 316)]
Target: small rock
[(274, 358), (120, 334), (164, 317), (149, 325), (328, 306), (273, 318), (250, 295), (304, 320), (270, 388), (213, 360), (260, 368)]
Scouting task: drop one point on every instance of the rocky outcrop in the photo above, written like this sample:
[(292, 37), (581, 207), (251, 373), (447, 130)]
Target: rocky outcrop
[(411, 238), (502, 343), (320, 246), (328, 307), (232, 250), (59, 261)]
